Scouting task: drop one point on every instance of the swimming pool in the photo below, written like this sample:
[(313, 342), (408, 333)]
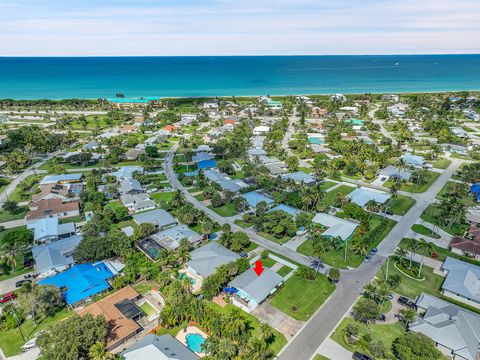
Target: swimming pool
[(182, 276), (195, 342), (315, 140)]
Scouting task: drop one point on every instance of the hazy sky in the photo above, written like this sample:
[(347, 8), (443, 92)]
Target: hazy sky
[(241, 27)]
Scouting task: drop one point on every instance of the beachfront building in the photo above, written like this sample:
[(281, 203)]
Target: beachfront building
[(133, 103)]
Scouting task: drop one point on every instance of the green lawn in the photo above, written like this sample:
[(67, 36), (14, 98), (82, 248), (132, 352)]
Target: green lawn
[(147, 309), (11, 340), (327, 185), (144, 287), (414, 188), (423, 230), (114, 204), (300, 298), (387, 333), (18, 214), (441, 163), (200, 197), (279, 340), (342, 189), (224, 210), (284, 271), (412, 288), (162, 196), (337, 258), (242, 223), (467, 200), (320, 357), (268, 262), (270, 237), (76, 219), (31, 183), (238, 175), (400, 204), (432, 215)]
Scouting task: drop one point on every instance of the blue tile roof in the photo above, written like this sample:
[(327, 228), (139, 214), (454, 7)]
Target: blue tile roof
[(81, 281), (288, 209), (254, 197), (207, 164)]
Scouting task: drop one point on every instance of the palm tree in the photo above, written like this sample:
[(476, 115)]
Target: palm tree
[(316, 264), (423, 247), (97, 351), (399, 255), (235, 324), (401, 166), (412, 245)]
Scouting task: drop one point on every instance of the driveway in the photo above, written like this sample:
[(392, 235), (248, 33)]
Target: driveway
[(280, 321), (334, 351)]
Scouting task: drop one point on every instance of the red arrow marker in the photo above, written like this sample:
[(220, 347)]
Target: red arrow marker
[(258, 267)]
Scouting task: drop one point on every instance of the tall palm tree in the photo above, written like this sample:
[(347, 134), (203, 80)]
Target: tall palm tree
[(412, 245), (424, 247)]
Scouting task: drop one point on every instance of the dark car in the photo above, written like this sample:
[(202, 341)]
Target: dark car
[(19, 283), (382, 317), (389, 212), (7, 297), (407, 302), (373, 251), (360, 356), (367, 258)]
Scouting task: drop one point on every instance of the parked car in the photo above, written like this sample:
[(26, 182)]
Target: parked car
[(407, 302), (373, 251), (244, 254), (360, 356), (389, 212), (390, 296), (19, 283), (367, 258), (382, 317), (29, 345), (7, 297)]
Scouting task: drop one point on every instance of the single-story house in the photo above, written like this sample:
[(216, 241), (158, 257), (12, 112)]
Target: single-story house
[(337, 227), (130, 186), (261, 130), (127, 172), (299, 177), (164, 347), (137, 202), (288, 209), (81, 281), (213, 175), (201, 156), (203, 148), (394, 172), (120, 311), (170, 238), (462, 282), (92, 145), (252, 290), (276, 169), (233, 185), (413, 160), (61, 179), (361, 196), (52, 191), (254, 197), (206, 259), (455, 330), (158, 217), (54, 257), (48, 229), (133, 154), (255, 152), (465, 246), (455, 148), (257, 142), (52, 208), (206, 164)]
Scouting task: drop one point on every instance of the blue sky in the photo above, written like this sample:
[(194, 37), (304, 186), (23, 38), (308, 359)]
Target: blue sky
[(242, 27)]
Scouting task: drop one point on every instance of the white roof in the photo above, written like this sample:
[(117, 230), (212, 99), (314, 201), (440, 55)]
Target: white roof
[(261, 128), (361, 196), (336, 226)]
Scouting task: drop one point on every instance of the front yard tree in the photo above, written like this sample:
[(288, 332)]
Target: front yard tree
[(413, 346), (366, 310), (10, 206), (334, 274)]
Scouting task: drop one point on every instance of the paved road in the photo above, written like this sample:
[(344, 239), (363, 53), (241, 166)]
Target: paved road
[(304, 345), (9, 284), (267, 244)]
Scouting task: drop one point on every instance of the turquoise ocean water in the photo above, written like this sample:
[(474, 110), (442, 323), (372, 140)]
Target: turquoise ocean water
[(94, 77)]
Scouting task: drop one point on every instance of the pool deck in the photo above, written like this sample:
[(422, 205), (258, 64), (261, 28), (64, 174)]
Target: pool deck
[(182, 336), (198, 280)]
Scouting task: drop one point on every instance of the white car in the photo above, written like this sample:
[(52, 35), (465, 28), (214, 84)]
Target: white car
[(29, 345)]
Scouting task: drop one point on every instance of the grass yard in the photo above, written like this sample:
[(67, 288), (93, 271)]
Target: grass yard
[(162, 196), (238, 175), (327, 185), (467, 200), (144, 287), (76, 219), (387, 333), (11, 340), (224, 210), (337, 258), (242, 224), (16, 215), (200, 197), (412, 288), (147, 309), (400, 204), (279, 339), (270, 237), (432, 215), (268, 262), (284, 271), (300, 298), (114, 204), (416, 188), (441, 163), (423, 230), (342, 189), (320, 357)]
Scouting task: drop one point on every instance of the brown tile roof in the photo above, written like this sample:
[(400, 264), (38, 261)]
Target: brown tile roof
[(120, 327), (47, 207), (467, 245), (50, 188)]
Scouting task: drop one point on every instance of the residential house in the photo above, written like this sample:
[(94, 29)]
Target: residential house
[(48, 229), (130, 186), (134, 154), (363, 195), (169, 238), (299, 177), (61, 179), (52, 208), (121, 312), (208, 258), (52, 191), (261, 130), (413, 160), (202, 156), (164, 347), (462, 281), (288, 209), (159, 217), (455, 330), (394, 172), (127, 172), (253, 198), (137, 202), (455, 148), (336, 227), (250, 289)]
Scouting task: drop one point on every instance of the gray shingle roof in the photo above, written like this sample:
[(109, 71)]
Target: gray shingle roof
[(159, 217), (206, 259), (55, 254), (164, 347), (257, 287), (463, 278)]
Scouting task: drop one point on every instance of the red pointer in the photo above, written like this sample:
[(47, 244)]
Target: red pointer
[(258, 267)]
